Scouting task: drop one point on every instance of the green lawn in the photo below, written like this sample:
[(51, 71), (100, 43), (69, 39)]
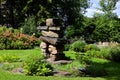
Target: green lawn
[(8, 76), (112, 68)]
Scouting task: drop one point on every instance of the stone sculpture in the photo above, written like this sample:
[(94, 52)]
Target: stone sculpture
[(53, 39)]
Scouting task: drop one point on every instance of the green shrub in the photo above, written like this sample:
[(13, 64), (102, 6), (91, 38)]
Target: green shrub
[(67, 47), (29, 26), (91, 47), (105, 52), (35, 65), (70, 54), (115, 54), (82, 58), (2, 46), (94, 53), (78, 46)]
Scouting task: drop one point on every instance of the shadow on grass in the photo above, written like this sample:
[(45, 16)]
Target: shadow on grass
[(106, 69), (113, 70)]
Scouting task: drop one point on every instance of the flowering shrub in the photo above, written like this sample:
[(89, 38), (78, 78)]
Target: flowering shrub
[(13, 39)]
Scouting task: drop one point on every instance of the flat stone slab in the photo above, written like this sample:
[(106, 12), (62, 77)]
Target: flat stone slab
[(53, 41), (46, 28), (39, 28), (50, 34), (62, 73), (59, 61), (55, 28)]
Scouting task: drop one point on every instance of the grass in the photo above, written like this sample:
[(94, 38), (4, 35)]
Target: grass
[(112, 68), (8, 76), (22, 54)]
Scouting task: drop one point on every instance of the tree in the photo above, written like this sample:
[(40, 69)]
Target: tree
[(107, 24), (11, 12), (68, 10), (75, 17), (107, 5)]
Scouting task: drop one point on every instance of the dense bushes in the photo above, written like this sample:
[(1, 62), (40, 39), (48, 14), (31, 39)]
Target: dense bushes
[(29, 26), (108, 52), (78, 46), (13, 39), (114, 54), (36, 65), (89, 47)]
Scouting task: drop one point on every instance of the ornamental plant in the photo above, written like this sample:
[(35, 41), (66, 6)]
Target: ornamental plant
[(14, 39), (35, 65)]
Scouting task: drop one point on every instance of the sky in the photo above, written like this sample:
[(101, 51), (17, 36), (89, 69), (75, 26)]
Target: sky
[(95, 4)]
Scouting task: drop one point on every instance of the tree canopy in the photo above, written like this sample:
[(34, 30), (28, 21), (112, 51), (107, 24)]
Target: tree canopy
[(31, 13), (67, 10)]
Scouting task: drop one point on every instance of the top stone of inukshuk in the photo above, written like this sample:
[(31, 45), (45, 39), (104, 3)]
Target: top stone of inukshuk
[(53, 39)]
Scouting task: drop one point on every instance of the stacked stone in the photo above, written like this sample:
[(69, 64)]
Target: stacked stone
[(53, 39)]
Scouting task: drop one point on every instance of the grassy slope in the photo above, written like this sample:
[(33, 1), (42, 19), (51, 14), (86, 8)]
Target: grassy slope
[(111, 67)]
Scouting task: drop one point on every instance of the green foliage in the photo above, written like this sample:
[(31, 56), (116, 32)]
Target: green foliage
[(13, 39), (78, 46), (9, 58), (77, 73), (91, 47), (2, 46), (105, 52), (1, 59), (94, 53), (67, 47), (107, 5), (29, 26), (100, 67), (36, 65), (106, 28), (111, 53), (83, 59), (17, 55), (96, 70), (70, 54), (77, 30), (11, 66), (107, 23), (69, 9), (115, 54), (70, 32)]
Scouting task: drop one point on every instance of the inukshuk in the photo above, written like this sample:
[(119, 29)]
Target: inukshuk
[(53, 39)]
